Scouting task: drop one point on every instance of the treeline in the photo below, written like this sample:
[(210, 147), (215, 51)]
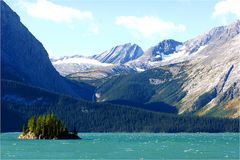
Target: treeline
[(99, 117), (87, 117)]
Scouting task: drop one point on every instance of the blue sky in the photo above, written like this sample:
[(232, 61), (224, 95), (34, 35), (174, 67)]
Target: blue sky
[(88, 27)]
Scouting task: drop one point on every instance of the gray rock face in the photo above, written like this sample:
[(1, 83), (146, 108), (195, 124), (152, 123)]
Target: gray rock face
[(211, 67), (24, 59), (164, 48), (218, 35), (120, 54), (158, 56), (216, 67)]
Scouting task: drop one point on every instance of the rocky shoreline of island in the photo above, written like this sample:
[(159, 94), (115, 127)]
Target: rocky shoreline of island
[(31, 135)]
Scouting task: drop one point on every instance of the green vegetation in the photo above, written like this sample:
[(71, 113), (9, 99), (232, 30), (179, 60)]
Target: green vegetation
[(48, 126), (99, 117), (133, 87), (137, 88)]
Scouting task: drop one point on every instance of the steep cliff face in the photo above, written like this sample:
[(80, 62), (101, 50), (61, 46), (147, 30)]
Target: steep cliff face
[(213, 80), (23, 58)]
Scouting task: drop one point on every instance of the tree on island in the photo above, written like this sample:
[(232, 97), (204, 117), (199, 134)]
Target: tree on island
[(24, 129), (74, 131), (47, 126)]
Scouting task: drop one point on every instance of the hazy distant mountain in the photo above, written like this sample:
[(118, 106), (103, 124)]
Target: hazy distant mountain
[(24, 59), (84, 68), (120, 54), (72, 64), (109, 63), (101, 72)]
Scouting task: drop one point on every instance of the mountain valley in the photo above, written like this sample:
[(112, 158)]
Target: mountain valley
[(203, 70), (190, 86)]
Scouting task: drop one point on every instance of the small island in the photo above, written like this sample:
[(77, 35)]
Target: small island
[(47, 126)]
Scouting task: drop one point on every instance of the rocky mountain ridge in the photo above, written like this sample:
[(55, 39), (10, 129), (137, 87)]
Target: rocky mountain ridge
[(210, 65), (120, 54), (199, 76), (166, 52)]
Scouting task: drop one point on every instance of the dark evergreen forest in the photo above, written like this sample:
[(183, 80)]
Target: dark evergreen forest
[(19, 102)]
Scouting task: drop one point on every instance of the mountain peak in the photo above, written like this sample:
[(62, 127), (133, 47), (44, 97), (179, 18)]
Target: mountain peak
[(120, 54), (235, 26), (217, 35), (168, 41), (164, 48)]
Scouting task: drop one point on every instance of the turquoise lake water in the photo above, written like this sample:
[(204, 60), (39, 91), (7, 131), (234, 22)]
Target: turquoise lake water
[(125, 146)]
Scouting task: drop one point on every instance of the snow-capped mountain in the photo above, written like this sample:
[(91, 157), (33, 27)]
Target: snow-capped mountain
[(216, 35), (131, 56), (120, 54), (108, 63), (170, 51), (152, 57), (84, 68), (101, 72), (161, 51), (72, 64), (204, 75)]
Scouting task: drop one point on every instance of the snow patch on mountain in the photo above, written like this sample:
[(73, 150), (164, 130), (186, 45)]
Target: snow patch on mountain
[(182, 54), (155, 81), (175, 55), (139, 69), (79, 60), (73, 64)]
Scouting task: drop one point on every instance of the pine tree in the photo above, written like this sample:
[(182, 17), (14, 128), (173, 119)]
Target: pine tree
[(39, 125), (47, 126), (24, 129), (75, 131), (32, 124)]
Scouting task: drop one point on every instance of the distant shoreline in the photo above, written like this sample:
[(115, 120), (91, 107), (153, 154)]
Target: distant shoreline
[(141, 132)]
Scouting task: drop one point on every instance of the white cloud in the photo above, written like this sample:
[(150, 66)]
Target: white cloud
[(47, 10), (149, 26), (94, 29), (226, 7)]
